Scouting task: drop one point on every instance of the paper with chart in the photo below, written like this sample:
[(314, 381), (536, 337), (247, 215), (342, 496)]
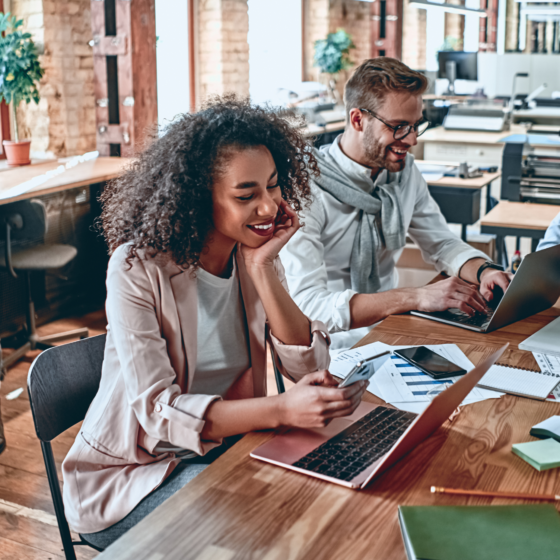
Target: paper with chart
[(403, 385), (551, 364)]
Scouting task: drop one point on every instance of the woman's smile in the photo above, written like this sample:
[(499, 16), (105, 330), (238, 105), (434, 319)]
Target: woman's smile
[(263, 229)]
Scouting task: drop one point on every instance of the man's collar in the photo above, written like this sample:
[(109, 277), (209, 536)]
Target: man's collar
[(352, 168)]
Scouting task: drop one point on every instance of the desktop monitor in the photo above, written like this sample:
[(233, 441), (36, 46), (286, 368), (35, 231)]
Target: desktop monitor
[(465, 63)]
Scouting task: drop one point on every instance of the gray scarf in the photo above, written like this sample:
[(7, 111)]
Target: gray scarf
[(384, 200)]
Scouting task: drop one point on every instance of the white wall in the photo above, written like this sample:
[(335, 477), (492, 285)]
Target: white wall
[(435, 35), (172, 57), (274, 47), (495, 73)]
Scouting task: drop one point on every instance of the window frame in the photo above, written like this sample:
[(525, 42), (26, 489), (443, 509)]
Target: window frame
[(4, 115)]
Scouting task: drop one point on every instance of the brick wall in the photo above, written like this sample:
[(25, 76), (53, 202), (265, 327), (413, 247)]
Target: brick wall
[(316, 28), (64, 120), (455, 25), (414, 37), (326, 16), (223, 51), (354, 17)]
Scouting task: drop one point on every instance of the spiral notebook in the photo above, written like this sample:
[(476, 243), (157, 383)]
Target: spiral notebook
[(522, 382)]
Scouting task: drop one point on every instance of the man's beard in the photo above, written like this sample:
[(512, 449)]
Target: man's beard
[(377, 154)]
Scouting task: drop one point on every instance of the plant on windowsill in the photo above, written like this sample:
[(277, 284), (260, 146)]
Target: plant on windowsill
[(332, 55), (20, 71)]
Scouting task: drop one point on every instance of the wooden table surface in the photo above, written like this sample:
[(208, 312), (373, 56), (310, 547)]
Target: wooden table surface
[(521, 215), (86, 173), (475, 183), (240, 508)]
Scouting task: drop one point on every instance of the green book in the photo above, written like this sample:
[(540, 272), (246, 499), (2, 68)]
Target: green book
[(480, 532), (543, 454)]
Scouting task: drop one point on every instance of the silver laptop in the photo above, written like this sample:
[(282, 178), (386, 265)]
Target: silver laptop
[(534, 288), (352, 451)]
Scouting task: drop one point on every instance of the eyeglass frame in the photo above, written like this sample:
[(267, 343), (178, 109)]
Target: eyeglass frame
[(399, 126)]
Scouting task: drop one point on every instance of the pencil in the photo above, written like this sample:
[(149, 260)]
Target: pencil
[(484, 494)]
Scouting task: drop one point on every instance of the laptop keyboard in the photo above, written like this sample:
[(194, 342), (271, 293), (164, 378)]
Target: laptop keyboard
[(357, 447), (479, 319)]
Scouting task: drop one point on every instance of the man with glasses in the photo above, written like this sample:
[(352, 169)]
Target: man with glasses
[(341, 265)]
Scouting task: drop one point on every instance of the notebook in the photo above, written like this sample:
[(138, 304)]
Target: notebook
[(542, 455), (545, 341), (522, 382), (480, 532)]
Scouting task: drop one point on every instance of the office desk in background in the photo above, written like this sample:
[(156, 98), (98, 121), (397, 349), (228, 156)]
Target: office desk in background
[(242, 508), (476, 148), (71, 202), (520, 219), (90, 172), (459, 199)]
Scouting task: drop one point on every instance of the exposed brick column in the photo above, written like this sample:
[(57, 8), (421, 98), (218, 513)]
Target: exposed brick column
[(414, 37), (455, 25), (64, 120), (223, 51), (316, 27)]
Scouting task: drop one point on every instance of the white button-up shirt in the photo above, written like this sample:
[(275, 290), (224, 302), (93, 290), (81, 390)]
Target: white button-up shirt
[(552, 235), (317, 258)]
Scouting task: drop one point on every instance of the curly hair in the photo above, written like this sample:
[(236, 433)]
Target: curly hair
[(163, 204)]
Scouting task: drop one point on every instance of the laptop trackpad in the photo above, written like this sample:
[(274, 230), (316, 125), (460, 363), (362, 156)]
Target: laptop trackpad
[(294, 443)]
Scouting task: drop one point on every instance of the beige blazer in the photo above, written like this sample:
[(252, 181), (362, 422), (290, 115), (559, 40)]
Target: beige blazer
[(144, 392)]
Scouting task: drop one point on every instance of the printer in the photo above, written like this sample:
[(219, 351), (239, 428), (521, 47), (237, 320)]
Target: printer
[(529, 177), (487, 118)]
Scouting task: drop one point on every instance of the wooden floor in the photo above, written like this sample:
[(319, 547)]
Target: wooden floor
[(28, 529)]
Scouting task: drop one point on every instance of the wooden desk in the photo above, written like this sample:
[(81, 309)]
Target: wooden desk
[(459, 199), (87, 173), (520, 219), (241, 508)]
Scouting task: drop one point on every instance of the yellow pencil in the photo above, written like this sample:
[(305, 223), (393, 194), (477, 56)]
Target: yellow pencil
[(484, 494)]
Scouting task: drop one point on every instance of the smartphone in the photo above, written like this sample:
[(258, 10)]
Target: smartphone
[(365, 369), (429, 362)]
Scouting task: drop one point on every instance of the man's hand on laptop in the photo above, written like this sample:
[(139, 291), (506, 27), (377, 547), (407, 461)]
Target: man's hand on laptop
[(450, 293), (491, 279), (316, 399)]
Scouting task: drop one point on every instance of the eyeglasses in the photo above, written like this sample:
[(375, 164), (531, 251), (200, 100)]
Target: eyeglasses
[(401, 131)]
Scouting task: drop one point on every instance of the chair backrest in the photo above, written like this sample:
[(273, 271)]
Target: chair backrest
[(33, 220), (62, 383)]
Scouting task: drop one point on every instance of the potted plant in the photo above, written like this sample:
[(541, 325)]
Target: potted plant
[(20, 71), (332, 55)]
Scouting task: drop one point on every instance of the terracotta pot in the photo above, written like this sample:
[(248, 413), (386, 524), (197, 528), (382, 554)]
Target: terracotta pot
[(17, 153)]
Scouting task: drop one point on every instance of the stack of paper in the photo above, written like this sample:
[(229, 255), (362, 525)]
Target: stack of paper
[(542, 455), (551, 364), (404, 386)]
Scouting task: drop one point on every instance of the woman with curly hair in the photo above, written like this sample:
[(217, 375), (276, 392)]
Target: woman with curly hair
[(195, 289)]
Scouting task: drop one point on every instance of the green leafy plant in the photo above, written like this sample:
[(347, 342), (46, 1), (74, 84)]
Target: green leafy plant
[(333, 53), (20, 70)]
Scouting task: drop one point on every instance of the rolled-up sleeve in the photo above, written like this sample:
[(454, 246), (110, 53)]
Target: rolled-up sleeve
[(162, 410), (429, 230), (306, 273), (296, 361)]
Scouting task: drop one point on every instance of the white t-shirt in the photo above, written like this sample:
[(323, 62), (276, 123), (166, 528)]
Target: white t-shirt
[(222, 349)]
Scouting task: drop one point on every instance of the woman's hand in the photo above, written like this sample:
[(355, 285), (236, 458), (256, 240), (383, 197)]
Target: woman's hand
[(285, 225), (315, 400)]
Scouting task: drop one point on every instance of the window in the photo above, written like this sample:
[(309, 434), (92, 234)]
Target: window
[(174, 62), (275, 47)]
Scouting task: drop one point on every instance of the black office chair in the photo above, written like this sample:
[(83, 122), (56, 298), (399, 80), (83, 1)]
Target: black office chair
[(25, 222), (62, 383)]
